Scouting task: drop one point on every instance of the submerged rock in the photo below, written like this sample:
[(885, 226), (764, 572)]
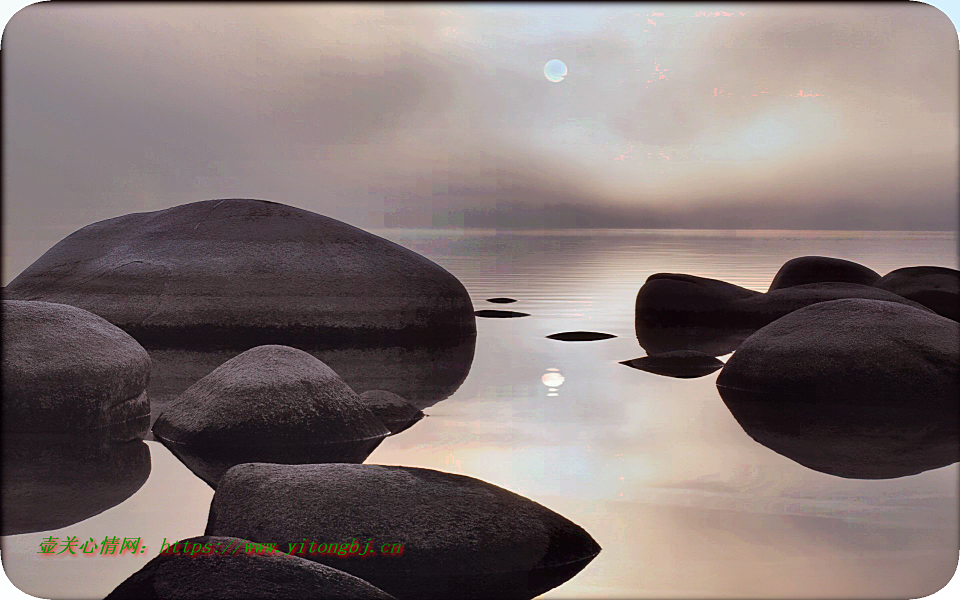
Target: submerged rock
[(222, 568), (822, 269), (501, 300), (500, 314), (247, 272), (580, 336), (392, 410), (685, 364), (65, 369), (461, 537), (271, 403), (878, 387), (937, 288)]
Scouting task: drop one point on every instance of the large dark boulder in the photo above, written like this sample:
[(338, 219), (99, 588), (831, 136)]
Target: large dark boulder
[(65, 369), (222, 568), (461, 537), (937, 288), (269, 404), (239, 271), (821, 269), (684, 312), (854, 387), (392, 410)]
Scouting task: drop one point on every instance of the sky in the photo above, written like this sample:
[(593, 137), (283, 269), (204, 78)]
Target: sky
[(720, 115)]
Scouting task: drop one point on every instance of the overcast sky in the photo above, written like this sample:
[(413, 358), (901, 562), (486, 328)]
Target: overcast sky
[(671, 115)]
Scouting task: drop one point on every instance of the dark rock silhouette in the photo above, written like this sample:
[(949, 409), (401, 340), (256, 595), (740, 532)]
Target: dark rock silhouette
[(685, 312), (393, 411), (247, 272), (500, 314), (462, 537), (221, 568), (501, 300), (685, 364), (580, 336), (821, 269), (271, 403), (937, 288), (854, 387), (422, 374), (52, 480), (65, 369)]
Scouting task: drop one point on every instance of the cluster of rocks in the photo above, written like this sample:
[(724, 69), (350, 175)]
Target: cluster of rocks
[(835, 367), (218, 292)]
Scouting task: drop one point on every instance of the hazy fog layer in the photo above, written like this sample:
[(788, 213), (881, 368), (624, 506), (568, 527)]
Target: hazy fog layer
[(781, 115)]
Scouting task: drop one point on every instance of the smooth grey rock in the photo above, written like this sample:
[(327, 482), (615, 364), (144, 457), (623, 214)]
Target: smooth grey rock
[(937, 288), (392, 410), (822, 269), (222, 568), (864, 388), (247, 272), (462, 537), (684, 364), (269, 404), (65, 369)]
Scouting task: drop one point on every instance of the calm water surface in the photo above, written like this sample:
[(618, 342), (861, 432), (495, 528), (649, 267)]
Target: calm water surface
[(656, 469)]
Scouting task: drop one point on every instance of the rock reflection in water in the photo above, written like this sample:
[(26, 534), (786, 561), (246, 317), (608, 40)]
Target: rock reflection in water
[(855, 442), (52, 480)]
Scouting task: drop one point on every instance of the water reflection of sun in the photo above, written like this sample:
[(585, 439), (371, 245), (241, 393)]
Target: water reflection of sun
[(553, 380)]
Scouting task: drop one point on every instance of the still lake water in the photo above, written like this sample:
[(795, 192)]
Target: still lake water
[(656, 469)]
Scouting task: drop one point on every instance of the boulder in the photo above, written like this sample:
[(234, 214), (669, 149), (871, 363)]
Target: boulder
[(65, 369), (937, 288), (684, 312), (392, 410), (247, 272), (821, 269), (878, 385), (684, 364), (269, 404), (460, 537), (221, 568)]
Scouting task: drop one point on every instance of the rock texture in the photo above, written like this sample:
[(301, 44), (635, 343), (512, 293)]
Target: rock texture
[(393, 411), (878, 387), (222, 569), (821, 269), (462, 538), (65, 369), (240, 271), (685, 364), (271, 403), (937, 288)]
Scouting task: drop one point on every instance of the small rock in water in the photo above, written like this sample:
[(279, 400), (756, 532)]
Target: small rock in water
[(393, 410), (501, 300), (684, 364), (500, 314), (580, 336)]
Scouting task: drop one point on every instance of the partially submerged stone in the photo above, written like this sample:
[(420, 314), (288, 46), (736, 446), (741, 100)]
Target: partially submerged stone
[(580, 336), (247, 272), (684, 364), (392, 410), (271, 403), (822, 269), (489, 313), (461, 537), (937, 288), (65, 369), (224, 568)]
